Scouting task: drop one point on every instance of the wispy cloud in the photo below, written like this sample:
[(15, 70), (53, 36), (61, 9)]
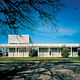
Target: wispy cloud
[(66, 31), (56, 37), (60, 32)]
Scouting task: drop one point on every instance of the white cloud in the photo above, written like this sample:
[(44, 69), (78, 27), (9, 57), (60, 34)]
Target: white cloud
[(51, 32), (66, 31)]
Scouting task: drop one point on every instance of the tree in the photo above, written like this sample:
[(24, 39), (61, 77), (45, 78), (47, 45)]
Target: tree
[(21, 14), (65, 52)]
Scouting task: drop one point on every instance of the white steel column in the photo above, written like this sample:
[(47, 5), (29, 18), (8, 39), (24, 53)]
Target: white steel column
[(8, 52), (60, 51), (15, 53), (26, 54), (49, 52), (38, 52), (77, 51)]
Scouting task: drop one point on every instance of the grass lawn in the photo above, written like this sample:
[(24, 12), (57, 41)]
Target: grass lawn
[(39, 58), (30, 58)]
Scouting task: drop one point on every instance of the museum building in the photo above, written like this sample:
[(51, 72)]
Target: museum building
[(20, 46)]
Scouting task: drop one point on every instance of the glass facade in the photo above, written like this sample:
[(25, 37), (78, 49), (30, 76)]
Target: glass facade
[(55, 50), (17, 49), (22, 49), (11, 49), (43, 49), (74, 49)]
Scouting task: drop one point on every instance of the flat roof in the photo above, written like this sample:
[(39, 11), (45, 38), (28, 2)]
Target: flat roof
[(39, 45)]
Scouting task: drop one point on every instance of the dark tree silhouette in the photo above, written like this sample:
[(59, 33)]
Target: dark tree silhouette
[(24, 14)]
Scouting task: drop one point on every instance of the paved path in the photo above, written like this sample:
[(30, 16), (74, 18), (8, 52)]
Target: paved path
[(32, 71)]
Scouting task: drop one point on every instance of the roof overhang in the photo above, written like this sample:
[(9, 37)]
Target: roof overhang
[(38, 45)]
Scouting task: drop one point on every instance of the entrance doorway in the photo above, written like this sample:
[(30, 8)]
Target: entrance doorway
[(79, 52), (33, 52)]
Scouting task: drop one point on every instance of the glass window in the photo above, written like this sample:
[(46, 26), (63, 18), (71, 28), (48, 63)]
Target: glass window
[(11, 49), (54, 50), (43, 49), (74, 49), (22, 49)]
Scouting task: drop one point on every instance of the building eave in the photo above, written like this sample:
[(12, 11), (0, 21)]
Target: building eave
[(39, 45)]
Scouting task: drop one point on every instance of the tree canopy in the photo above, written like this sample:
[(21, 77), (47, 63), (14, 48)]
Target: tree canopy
[(65, 52)]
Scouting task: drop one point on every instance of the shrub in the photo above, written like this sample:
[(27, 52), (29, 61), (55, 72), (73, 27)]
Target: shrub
[(65, 52)]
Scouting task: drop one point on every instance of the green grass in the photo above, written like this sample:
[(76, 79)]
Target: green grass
[(30, 58), (21, 60), (38, 58), (73, 59)]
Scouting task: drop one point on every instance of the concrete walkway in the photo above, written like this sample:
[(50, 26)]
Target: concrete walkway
[(40, 71)]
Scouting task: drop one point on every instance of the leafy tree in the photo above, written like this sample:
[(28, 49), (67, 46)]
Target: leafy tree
[(65, 52), (21, 14)]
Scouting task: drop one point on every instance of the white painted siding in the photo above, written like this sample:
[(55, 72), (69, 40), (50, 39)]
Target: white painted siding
[(20, 54), (14, 39)]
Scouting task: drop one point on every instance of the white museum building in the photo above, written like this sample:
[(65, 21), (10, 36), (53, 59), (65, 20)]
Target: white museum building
[(20, 45)]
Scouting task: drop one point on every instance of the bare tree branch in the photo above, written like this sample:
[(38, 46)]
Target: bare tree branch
[(19, 14)]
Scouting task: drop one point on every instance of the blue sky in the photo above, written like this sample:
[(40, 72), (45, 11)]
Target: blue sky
[(68, 30)]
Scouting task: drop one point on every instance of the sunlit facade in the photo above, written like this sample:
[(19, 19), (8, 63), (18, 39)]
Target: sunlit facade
[(20, 46)]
